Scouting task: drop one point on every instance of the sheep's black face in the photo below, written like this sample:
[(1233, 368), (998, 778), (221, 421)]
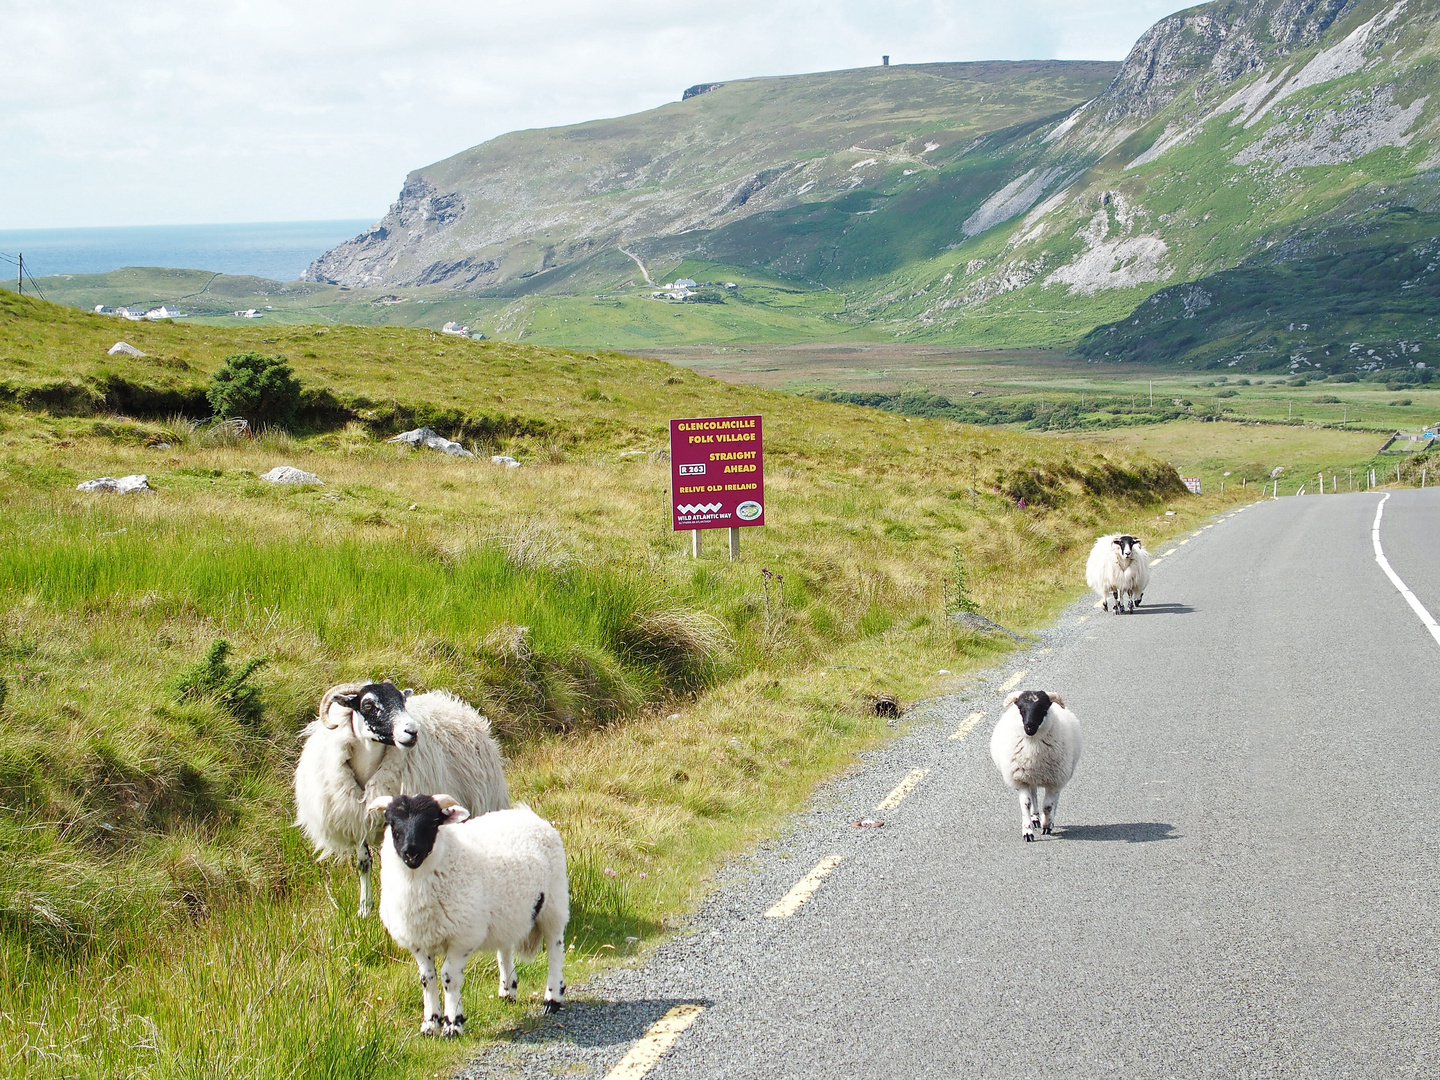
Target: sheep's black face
[(1127, 546), (1034, 706), (382, 706), (414, 821)]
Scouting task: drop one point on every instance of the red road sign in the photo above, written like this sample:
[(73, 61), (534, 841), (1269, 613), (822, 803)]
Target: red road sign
[(717, 472)]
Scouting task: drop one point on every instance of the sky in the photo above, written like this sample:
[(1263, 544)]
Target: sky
[(159, 112)]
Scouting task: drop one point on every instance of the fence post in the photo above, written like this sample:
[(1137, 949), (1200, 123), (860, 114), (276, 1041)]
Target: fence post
[(694, 543)]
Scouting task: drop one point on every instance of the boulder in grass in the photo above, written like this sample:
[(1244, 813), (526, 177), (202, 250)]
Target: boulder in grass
[(124, 348), (124, 485), (288, 474), (434, 440), (504, 459)]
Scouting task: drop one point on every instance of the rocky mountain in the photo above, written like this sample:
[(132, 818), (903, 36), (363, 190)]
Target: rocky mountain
[(535, 202), (1269, 142)]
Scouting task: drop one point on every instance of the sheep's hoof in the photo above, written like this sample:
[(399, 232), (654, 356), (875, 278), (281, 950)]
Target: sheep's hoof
[(431, 1026), (1029, 837), (453, 1027), (1046, 829), (553, 1006)]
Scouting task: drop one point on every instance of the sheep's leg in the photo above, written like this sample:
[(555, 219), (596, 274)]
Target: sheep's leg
[(509, 982), (1115, 596), (555, 981), (426, 963), (1047, 812), (452, 973), (363, 861), (1029, 806)]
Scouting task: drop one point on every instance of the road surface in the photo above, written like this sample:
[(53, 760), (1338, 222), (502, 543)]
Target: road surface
[(1243, 884)]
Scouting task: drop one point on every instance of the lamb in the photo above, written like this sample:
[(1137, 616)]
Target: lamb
[(1036, 744), (453, 884), (371, 739), (1118, 570)]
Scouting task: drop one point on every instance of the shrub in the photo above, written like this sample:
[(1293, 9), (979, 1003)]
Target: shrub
[(262, 389), (213, 678), (1327, 399)]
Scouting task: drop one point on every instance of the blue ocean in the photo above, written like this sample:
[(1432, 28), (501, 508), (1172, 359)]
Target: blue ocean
[(279, 250)]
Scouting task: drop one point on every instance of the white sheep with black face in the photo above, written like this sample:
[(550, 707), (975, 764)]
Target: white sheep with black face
[(1118, 569), (454, 884), (1036, 744), (372, 739)]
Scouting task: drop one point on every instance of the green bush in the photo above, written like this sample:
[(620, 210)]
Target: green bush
[(262, 389), (213, 678)]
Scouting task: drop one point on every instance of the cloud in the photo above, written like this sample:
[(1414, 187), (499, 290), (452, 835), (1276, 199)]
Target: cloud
[(162, 112)]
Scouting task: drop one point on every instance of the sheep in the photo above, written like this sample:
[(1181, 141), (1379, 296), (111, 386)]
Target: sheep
[(1118, 570), (452, 883), (371, 739), (1036, 744)]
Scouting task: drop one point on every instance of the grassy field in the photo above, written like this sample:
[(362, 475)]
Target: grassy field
[(158, 915), (1221, 428)]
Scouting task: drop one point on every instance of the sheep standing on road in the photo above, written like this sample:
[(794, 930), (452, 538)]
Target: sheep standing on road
[(371, 739), (454, 884), (1036, 745), (1118, 570)]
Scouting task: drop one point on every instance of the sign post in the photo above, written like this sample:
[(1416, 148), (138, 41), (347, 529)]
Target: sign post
[(717, 476)]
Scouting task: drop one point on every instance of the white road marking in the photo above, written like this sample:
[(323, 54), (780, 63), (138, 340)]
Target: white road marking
[(1010, 682), (1169, 553), (1081, 618), (653, 1044), (1410, 598), (902, 789), (966, 724), (1099, 603), (803, 889), (1157, 562)]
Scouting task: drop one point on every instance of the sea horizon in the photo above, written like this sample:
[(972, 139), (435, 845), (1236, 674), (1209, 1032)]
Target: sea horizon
[(278, 250)]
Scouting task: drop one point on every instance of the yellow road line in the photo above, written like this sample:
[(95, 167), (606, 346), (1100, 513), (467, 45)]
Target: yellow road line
[(803, 889), (1010, 682), (966, 724), (1099, 604), (902, 789), (1169, 553), (1157, 562), (1082, 618), (652, 1045)]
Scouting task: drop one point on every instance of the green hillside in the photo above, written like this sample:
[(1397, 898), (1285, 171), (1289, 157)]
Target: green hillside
[(159, 916)]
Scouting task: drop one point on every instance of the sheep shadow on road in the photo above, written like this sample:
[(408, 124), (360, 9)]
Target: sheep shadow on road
[(1163, 609), (1134, 832)]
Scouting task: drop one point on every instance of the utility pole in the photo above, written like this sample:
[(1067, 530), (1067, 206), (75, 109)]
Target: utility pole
[(20, 276)]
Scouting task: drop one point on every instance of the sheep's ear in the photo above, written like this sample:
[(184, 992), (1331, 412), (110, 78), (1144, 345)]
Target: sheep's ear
[(381, 802), (1055, 699), (407, 692), (1014, 697), (454, 812)]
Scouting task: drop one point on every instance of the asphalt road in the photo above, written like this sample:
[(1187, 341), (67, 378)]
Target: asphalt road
[(1244, 881)]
